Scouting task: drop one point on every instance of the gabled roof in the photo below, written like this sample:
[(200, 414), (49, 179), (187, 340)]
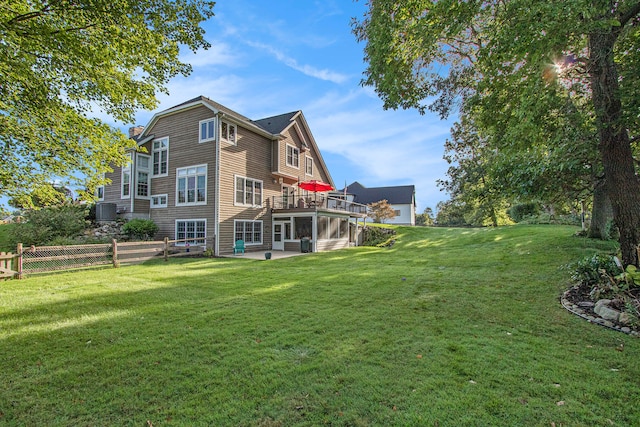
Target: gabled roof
[(214, 106), (277, 124), (395, 195)]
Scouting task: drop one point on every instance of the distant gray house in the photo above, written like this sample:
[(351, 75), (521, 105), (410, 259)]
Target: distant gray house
[(402, 198)]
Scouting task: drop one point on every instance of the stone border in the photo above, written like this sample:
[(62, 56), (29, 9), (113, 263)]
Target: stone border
[(578, 311)]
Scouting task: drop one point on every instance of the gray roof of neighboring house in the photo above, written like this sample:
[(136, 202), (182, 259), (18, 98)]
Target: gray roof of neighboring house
[(395, 195), (276, 124)]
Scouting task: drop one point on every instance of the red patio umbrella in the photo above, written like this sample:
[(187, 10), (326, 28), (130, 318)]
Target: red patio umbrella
[(315, 186)]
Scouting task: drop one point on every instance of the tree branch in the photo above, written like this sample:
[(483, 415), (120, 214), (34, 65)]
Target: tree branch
[(626, 17)]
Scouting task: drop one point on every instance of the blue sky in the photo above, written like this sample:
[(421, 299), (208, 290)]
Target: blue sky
[(273, 57)]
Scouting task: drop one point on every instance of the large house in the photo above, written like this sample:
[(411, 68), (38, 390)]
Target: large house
[(210, 176), (402, 199)]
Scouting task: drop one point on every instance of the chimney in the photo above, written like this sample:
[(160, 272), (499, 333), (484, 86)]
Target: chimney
[(135, 131)]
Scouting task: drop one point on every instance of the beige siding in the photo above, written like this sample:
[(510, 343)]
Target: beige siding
[(250, 158), (185, 150), (254, 156)]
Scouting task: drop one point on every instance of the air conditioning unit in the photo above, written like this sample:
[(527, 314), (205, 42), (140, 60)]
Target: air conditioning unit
[(105, 212)]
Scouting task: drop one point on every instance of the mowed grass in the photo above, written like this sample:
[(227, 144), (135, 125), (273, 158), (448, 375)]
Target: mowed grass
[(449, 327)]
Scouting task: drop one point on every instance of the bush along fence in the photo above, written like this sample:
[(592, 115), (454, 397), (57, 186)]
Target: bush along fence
[(39, 259)]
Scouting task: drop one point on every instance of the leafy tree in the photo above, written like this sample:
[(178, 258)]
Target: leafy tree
[(42, 226), (381, 210), (62, 61), (451, 213), (41, 197), (426, 218), (421, 49)]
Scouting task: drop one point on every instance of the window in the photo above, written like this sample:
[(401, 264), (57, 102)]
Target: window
[(159, 201), (248, 192), (396, 212), (249, 231), (228, 132), (293, 156), (160, 156), (125, 188), (191, 231), (308, 169), (191, 185), (100, 191), (142, 176), (207, 130)]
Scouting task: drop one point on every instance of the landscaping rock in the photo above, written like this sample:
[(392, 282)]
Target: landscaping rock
[(602, 309), (586, 304), (624, 318)]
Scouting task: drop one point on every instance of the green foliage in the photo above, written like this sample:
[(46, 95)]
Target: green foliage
[(377, 236), (6, 242), (140, 229), (426, 218), (62, 61), (41, 196), (523, 73), (43, 226), (611, 230), (594, 269), (451, 213), (521, 211)]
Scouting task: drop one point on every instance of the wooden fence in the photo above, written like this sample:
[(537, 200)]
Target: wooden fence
[(6, 265), (38, 259)]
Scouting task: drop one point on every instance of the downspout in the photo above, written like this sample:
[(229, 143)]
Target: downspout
[(132, 180), (216, 209)]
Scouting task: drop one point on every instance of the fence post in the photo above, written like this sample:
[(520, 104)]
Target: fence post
[(114, 245), (166, 249), (19, 260)]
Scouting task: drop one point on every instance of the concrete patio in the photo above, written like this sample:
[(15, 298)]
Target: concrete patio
[(260, 254)]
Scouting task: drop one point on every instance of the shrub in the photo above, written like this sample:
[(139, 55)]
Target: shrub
[(41, 227), (374, 236), (524, 210), (140, 229), (595, 269)]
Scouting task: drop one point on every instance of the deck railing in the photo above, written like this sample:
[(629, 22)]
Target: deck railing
[(320, 202)]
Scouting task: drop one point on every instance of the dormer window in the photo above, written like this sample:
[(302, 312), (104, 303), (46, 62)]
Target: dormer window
[(228, 132), (207, 130)]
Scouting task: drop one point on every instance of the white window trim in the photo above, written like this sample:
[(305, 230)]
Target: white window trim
[(308, 159), (153, 151), (98, 188), (154, 205), (206, 177), (194, 220), (209, 137), (148, 171), (126, 169), (295, 150), (224, 136), (235, 222), (235, 191)]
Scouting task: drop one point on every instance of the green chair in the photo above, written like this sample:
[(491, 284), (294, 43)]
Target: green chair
[(238, 247)]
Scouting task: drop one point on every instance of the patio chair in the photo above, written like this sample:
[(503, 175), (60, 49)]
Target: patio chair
[(238, 247)]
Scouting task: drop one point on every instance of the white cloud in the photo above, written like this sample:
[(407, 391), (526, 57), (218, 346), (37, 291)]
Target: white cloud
[(219, 53), (308, 70)]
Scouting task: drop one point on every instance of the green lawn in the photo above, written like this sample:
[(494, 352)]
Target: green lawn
[(449, 327)]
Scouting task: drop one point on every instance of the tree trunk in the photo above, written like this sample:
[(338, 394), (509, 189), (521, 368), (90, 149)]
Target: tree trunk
[(601, 212), (622, 184)]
